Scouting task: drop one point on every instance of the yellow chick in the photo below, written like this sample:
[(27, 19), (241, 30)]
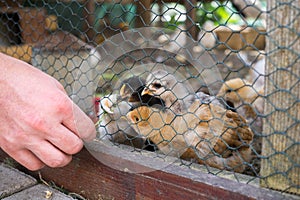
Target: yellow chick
[(112, 108), (205, 134)]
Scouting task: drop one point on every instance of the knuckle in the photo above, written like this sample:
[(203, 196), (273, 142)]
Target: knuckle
[(59, 161), (75, 147), (62, 104), (35, 121)]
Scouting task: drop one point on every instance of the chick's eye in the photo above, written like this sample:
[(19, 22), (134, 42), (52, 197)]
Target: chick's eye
[(136, 118), (229, 90), (157, 85)]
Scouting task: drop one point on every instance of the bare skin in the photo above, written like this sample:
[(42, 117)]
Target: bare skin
[(40, 125)]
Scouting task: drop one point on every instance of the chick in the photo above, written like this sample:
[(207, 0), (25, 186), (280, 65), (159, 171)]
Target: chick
[(112, 126), (243, 97), (247, 100), (197, 135), (112, 108), (132, 89), (249, 90), (175, 94), (178, 98), (164, 85)]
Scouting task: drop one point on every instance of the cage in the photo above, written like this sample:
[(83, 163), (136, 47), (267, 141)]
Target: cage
[(205, 88)]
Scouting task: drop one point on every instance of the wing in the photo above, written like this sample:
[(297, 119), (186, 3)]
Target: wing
[(217, 128)]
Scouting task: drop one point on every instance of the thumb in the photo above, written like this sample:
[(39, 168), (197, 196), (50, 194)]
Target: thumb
[(80, 124)]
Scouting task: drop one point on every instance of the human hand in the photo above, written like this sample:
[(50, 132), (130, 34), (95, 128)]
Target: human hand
[(40, 125)]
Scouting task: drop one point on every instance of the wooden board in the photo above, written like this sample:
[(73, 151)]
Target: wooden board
[(87, 176)]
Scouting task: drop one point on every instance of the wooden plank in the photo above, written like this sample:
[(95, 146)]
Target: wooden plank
[(280, 166), (246, 38), (94, 180)]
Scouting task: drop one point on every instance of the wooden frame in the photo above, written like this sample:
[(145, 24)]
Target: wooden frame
[(94, 180)]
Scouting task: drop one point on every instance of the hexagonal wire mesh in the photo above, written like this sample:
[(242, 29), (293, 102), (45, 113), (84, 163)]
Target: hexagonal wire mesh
[(172, 79)]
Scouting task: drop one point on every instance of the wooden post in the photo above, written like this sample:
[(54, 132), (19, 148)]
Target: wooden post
[(280, 164), (143, 10), (160, 11), (191, 18), (89, 18)]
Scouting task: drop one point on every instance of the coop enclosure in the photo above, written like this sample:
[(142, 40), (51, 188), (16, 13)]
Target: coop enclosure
[(211, 86)]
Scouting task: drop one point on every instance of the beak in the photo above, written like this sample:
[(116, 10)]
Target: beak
[(123, 117), (122, 91), (147, 91)]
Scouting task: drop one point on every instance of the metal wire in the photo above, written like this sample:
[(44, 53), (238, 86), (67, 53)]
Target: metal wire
[(215, 50)]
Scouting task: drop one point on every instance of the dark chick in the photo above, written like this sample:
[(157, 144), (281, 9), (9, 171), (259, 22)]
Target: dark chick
[(131, 91), (175, 94)]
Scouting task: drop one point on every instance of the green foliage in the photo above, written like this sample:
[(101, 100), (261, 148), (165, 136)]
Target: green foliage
[(218, 13), (173, 23)]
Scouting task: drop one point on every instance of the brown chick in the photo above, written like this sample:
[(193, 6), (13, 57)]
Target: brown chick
[(196, 135), (246, 98), (243, 97), (179, 99)]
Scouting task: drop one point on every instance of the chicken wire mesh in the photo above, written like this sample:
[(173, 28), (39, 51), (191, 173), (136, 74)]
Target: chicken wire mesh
[(174, 79)]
